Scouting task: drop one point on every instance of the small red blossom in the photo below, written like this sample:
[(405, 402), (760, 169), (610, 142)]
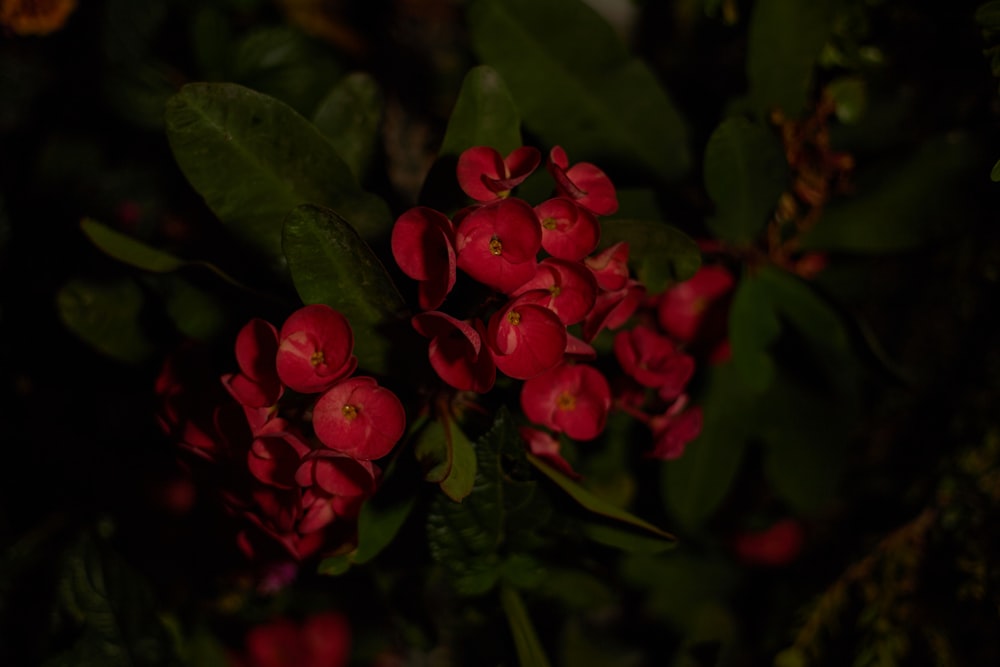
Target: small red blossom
[(545, 447), (613, 309), (683, 307), (526, 339), (779, 544), (570, 287), (497, 244), (423, 245), (653, 361), (674, 429), (610, 267), (574, 400), (315, 349), (486, 176), (584, 183), (274, 455), (335, 486), (322, 640), (568, 231), (257, 384), (359, 418), (457, 351)]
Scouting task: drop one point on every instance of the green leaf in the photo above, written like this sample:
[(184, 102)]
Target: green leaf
[(569, 74), (253, 159), (694, 485), (529, 649), (195, 312), (850, 97), (745, 173), (330, 263), (902, 204), (576, 589), (350, 116), (447, 458), (433, 450), (663, 255), (753, 327), (786, 38), (597, 505), (484, 115), (995, 173), (458, 484), (129, 250), (106, 316), (629, 541)]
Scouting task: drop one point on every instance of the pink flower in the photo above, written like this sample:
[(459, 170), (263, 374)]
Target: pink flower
[(497, 244), (457, 351), (779, 544), (315, 349), (574, 400), (526, 339), (653, 361), (584, 183), (335, 487), (486, 176), (568, 231), (359, 418), (683, 307), (423, 244), (257, 384), (570, 287), (545, 447), (674, 429)]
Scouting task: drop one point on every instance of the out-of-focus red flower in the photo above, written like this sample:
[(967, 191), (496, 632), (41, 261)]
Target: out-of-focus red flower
[(571, 399), (315, 349), (568, 231), (610, 267), (674, 429), (497, 244), (359, 418), (584, 183), (653, 361), (683, 307), (570, 287), (526, 339), (423, 244), (322, 640), (545, 447), (486, 176), (612, 309), (275, 454), (457, 351), (779, 544)]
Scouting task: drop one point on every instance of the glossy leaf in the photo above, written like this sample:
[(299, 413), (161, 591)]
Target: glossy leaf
[(903, 204), (330, 263), (432, 449), (753, 327), (253, 159), (350, 116), (529, 648), (745, 173), (106, 316), (458, 484), (484, 115), (995, 172), (128, 249), (786, 37), (569, 74), (662, 255), (596, 504), (447, 458)]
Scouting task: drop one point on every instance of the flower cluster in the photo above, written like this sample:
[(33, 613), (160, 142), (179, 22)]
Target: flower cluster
[(556, 293), (295, 433)]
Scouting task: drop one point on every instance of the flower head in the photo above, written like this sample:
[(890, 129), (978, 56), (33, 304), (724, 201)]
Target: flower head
[(574, 400), (584, 183), (457, 351), (486, 176), (359, 418), (526, 339), (497, 244), (315, 349), (569, 231), (423, 244)]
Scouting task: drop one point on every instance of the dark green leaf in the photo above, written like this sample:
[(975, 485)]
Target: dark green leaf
[(433, 451), (484, 115), (350, 116), (786, 37), (901, 205), (128, 249), (331, 264), (253, 159), (195, 312), (458, 484), (630, 541), (212, 43), (447, 458), (596, 504), (995, 173), (694, 485), (745, 173), (576, 589), (663, 255), (106, 315), (571, 76), (753, 327), (988, 16), (529, 649), (850, 97)]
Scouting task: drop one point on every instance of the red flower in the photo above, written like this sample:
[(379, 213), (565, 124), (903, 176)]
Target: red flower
[(323, 640), (526, 339), (779, 544), (257, 384), (497, 244), (545, 447), (674, 429), (653, 361), (566, 288), (423, 244), (568, 231), (610, 267), (336, 484), (612, 309), (584, 183), (275, 454), (486, 176), (457, 351), (683, 307), (571, 399), (359, 418), (315, 349)]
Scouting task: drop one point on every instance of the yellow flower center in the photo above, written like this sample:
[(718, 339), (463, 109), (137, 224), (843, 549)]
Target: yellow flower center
[(555, 290), (496, 247), (549, 223), (317, 358), (514, 317), (350, 412), (566, 401)]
